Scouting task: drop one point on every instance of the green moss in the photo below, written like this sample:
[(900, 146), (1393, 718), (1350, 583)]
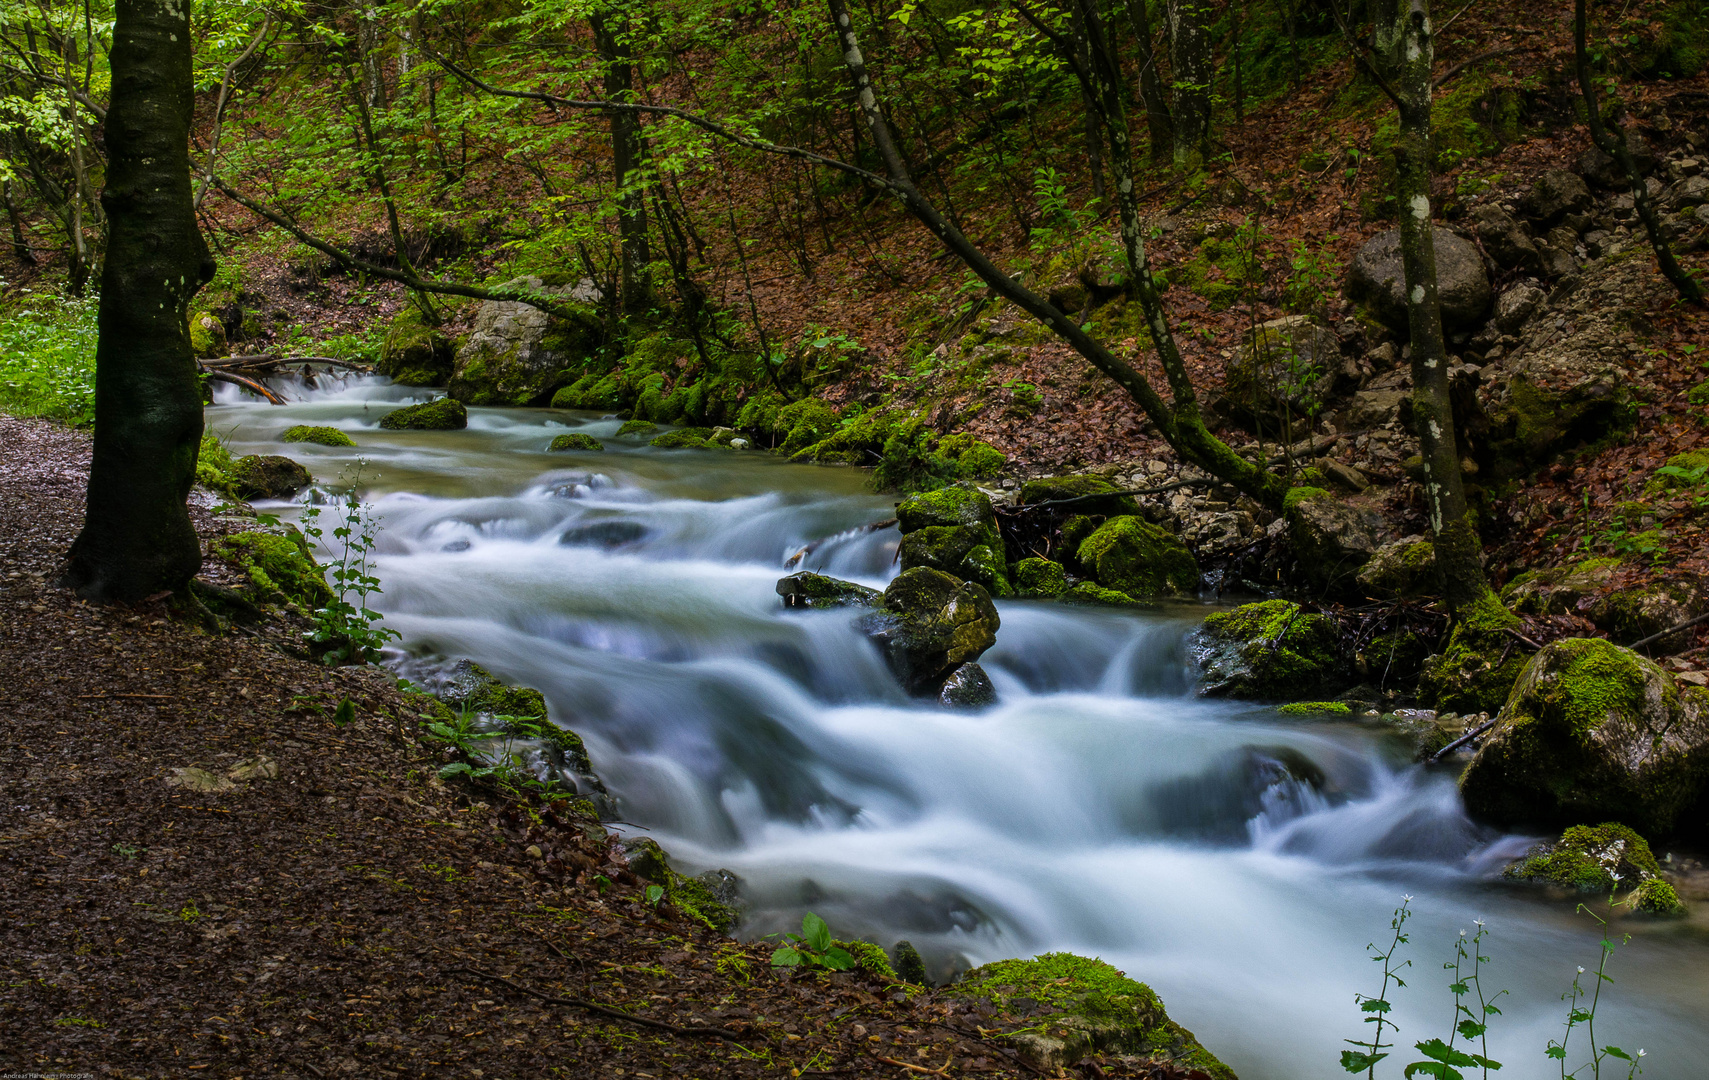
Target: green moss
[(871, 959), (280, 567), (1694, 463), (323, 436), (1136, 557), (1594, 858), (1476, 671), (1656, 897), (946, 506), (1313, 708), (416, 348), (1072, 1005), (810, 590), (804, 423), (575, 441), (213, 468), (974, 460), (1297, 495), (207, 336), (1095, 495), (1271, 650), (682, 439), (1093, 594), (443, 414), (638, 427), (1041, 579)]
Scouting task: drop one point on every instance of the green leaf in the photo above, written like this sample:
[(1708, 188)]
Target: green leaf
[(1437, 1050), (655, 893), (345, 713), (838, 960), (786, 957), (1436, 1069), (815, 933), (1376, 1005), (456, 768), (1356, 1062), (1615, 1051)]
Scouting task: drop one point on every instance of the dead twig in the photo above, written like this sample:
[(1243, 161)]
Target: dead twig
[(1686, 625), (1112, 494), (1461, 741), (942, 1070), (605, 1010)]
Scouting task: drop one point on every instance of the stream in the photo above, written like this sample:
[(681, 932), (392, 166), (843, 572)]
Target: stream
[(1236, 860)]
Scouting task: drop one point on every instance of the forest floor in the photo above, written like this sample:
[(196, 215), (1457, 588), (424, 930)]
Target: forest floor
[(201, 875)]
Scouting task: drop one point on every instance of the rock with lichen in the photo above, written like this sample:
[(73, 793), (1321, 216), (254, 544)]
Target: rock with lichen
[(1332, 539), (1039, 579), (268, 476), (443, 414), (1476, 669), (1404, 568), (1061, 1008), (1271, 650), (809, 590), (1130, 555), (1602, 859), (710, 899), (928, 623), (954, 530), (1594, 732)]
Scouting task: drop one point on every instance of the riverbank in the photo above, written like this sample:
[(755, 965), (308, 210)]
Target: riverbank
[(201, 870)]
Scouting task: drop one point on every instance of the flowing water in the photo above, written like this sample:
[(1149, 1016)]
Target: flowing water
[(1236, 861)]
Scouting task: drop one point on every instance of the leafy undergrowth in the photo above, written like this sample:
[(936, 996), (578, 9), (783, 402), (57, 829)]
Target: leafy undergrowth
[(208, 860), (47, 358)]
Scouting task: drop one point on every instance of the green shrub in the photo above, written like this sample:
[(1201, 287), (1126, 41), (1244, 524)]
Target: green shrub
[(47, 359)]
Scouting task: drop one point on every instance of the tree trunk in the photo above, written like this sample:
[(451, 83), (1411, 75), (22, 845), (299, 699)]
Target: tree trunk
[(627, 155), (1157, 118), (1404, 50), (137, 539), (1190, 62), (1611, 140), (1094, 138)]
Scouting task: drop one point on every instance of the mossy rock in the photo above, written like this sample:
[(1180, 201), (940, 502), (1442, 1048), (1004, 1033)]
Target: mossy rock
[(269, 476), (475, 689), (1131, 555), (1271, 650), (682, 439), (638, 427), (1332, 539), (1601, 859), (1062, 1007), (1476, 671), (1558, 590), (1315, 708), (804, 423), (1094, 494), (696, 898), (809, 590), (319, 435), (1594, 732), (443, 414), (1091, 594), (279, 565), (1404, 568), (1039, 579), (575, 441), (1532, 425), (415, 348), (207, 336), (871, 959), (929, 623), (519, 355), (946, 507), (953, 529), (213, 467)]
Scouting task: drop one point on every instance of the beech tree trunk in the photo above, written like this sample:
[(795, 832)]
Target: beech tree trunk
[(1404, 50), (137, 539), (1190, 63), (627, 155), (1157, 118)]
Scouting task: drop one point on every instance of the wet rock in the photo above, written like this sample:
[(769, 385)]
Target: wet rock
[(968, 687), (320, 435), (954, 530), (1263, 383), (809, 590), (519, 355), (1133, 556), (574, 441), (1600, 859), (1071, 1006), (1556, 194), (1269, 651), (1377, 280), (1093, 495), (905, 960), (1400, 568), (605, 534), (638, 427), (1594, 732), (711, 899), (928, 623), (1217, 804), (1040, 579), (1504, 238), (442, 414), (415, 352), (1332, 539), (1516, 305), (268, 477)]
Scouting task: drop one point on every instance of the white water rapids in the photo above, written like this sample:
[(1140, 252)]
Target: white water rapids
[(1236, 860)]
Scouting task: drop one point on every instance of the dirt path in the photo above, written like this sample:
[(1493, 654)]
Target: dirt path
[(314, 902)]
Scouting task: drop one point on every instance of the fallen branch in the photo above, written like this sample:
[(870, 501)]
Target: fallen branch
[(1461, 741), (247, 383), (1523, 640), (942, 1070), (606, 1010), (1110, 494), (795, 560), (1687, 624), (137, 697)]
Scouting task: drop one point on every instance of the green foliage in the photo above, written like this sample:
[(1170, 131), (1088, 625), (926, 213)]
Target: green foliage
[(1582, 1004), (345, 628), (213, 468), (812, 948), (1315, 708), (47, 358), (915, 459)]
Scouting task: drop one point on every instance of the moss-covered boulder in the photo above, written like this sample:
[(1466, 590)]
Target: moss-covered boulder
[(1601, 859), (1332, 539), (804, 423), (708, 899), (213, 467), (1039, 579), (519, 355), (1476, 670), (473, 688), (574, 441), (928, 623), (1131, 555), (954, 529), (810, 590), (279, 565), (269, 476), (1269, 651), (683, 439), (1059, 1008), (638, 427), (319, 435), (1594, 732), (1404, 568), (1089, 494), (1091, 594), (416, 352), (443, 414), (207, 336), (1652, 607)]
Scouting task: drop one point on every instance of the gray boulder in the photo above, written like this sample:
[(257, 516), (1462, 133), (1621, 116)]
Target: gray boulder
[(1403, 568), (519, 355), (928, 624), (1332, 539), (808, 590), (1263, 382), (1378, 281), (968, 687), (268, 477), (1515, 306), (1503, 237), (1556, 194)]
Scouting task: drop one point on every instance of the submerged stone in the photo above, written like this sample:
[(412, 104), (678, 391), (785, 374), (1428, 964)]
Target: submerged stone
[(809, 590), (605, 534), (1063, 1007)]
